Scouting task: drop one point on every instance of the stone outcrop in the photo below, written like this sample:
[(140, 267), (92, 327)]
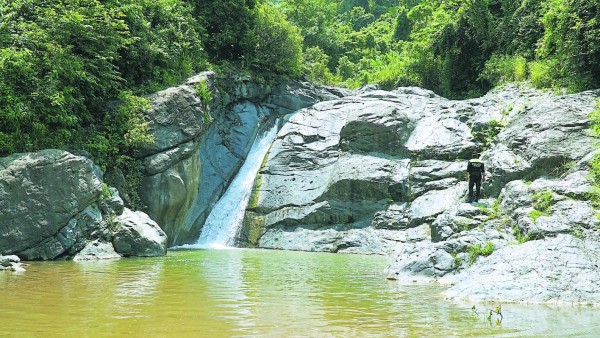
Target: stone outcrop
[(53, 204), (199, 146), (384, 172)]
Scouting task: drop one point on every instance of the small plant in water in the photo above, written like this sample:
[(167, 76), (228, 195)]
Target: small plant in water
[(492, 316)]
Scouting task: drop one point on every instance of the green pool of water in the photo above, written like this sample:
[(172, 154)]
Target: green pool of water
[(254, 293)]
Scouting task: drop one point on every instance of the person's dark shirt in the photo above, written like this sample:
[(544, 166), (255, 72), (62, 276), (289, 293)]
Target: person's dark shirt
[(475, 168)]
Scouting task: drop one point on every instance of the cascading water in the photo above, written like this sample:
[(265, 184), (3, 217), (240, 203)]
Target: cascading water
[(225, 220)]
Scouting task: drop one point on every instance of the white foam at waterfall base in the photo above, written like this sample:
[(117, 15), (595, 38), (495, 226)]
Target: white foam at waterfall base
[(225, 220)]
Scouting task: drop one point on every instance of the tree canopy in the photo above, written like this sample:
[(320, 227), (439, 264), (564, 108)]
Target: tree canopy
[(64, 63)]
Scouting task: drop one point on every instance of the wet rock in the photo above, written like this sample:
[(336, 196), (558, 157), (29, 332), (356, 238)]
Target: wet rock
[(6, 261), (96, 250), (199, 146), (11, 263), (135, 234)]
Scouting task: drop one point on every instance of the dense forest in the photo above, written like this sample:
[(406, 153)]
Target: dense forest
[(73, 72)]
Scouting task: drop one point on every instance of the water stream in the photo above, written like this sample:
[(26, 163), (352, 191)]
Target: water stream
[(224, 222)]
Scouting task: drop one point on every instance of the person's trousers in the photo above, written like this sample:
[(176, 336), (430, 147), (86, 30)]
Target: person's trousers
[(477, 183)]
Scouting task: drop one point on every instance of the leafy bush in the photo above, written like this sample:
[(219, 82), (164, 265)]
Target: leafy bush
[(225, 23), (164, 43), (501, 69)]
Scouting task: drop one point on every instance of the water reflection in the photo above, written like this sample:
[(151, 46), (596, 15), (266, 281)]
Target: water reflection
[(253, 293)]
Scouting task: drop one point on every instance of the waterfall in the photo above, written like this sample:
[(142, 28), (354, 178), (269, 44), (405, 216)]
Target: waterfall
[(225, 220)]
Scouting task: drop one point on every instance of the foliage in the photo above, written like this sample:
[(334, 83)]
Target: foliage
[(204, 93), (475, 251), (521, 236), (501, 69), (487, 134), (457, 260), (164, 43), (106, 193), (62, 61), (458, 48), (315, 66), (56, 65), (542, 204), (226, 23), (274, 45), (492, 212), (206, 97)]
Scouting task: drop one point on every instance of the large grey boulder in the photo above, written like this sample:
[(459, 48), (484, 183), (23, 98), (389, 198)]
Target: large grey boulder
[(135, 234), (96, 250), (55, 205), (176, 116), (40, 193), (81, 229)]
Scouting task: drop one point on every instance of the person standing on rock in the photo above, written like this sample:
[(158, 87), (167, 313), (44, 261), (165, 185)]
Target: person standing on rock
[(475, 174)]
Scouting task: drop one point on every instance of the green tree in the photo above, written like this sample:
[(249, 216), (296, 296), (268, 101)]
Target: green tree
[(402, 29), (274, 45), (164, 43), (226, 23)]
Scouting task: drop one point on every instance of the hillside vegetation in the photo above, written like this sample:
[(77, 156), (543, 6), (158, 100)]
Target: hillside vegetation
[(73, 72)]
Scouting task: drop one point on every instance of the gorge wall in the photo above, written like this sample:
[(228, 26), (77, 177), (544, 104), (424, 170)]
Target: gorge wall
[(200, 145)]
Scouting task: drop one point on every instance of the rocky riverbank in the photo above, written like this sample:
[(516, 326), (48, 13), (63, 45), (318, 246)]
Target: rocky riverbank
[(383, 172)]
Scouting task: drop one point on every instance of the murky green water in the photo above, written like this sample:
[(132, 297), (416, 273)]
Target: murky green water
[(252, 293)]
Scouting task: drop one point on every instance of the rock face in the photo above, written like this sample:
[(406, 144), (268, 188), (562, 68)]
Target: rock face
[(53, 204), (200, 145), (384, 172)]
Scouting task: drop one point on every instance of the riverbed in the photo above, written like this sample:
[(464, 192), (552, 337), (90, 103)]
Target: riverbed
[(256, 293)]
